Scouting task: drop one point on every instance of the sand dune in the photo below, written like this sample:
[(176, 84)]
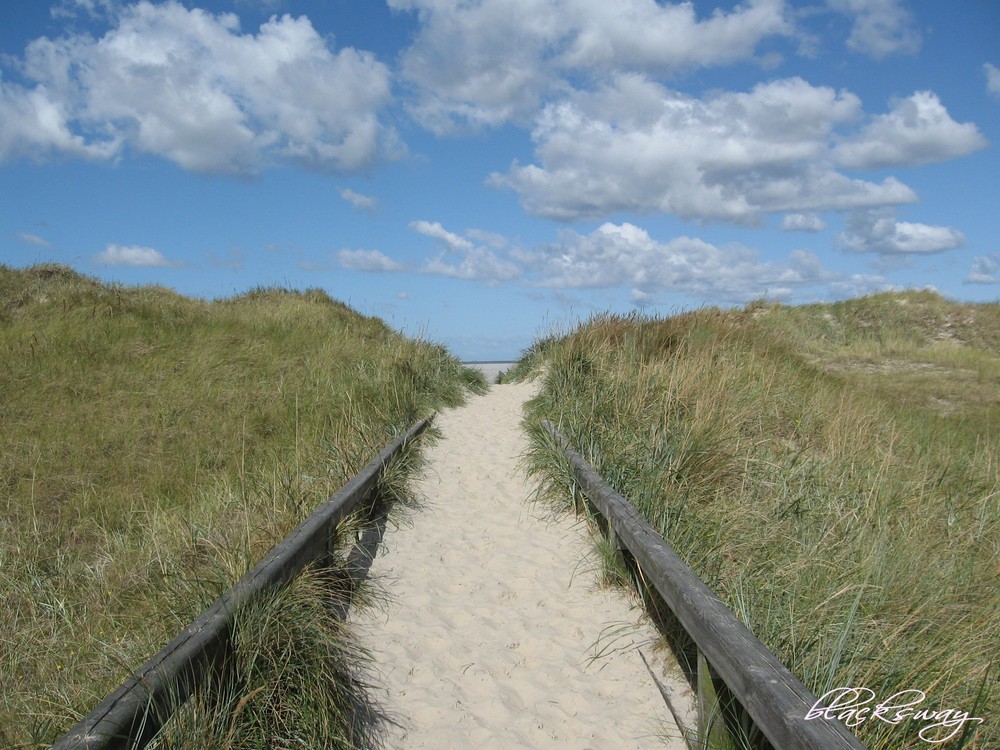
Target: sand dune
[(496, 633)]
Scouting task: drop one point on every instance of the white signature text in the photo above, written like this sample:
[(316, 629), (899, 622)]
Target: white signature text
[(855, 706)]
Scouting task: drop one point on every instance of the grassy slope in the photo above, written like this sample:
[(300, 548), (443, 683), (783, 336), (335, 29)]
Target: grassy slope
[(152, 447), (831, 471)]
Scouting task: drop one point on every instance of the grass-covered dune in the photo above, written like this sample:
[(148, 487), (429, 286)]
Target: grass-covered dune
[(831, 471), (152, 449)]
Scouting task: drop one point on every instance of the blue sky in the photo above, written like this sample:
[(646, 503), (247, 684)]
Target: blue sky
[(478, 172)]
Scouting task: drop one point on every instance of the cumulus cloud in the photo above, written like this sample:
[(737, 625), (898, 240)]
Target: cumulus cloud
[(992, 79), (35, 122), (880, 27), (486, 62), (133, 255), (624, 255), (477, 264), (985, 270), (636, 146), (802, 223), (665, 37), (918, 130), (880, 232), (188, 86), (462, 258), (359, 201), (372, 261)]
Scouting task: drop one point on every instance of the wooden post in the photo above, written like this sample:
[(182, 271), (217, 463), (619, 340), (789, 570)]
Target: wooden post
[(712, 732), (578, 499), (617, 550)]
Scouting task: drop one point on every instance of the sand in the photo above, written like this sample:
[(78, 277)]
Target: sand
[(495, 633)]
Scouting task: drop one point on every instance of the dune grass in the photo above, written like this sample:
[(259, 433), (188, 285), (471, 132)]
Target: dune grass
[(831, 471), (154, 447)]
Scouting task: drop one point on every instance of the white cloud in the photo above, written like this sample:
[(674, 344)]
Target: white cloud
[(454, 242), (368, 260), (477, 264), (32, 239), (464, 259), (918, 130), (479, 63), (859, 285), (802, 223), (188, 86), (636, 146), (880, 28), (624, 255), (133, 255), (992, 79), (493, 239), (72, 8), (34, 123), (359, 201), (879, 232), (486, 62), (985, 270)]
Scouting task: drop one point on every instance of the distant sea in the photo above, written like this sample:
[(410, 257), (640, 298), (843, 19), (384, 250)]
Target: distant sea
[(490, 369)]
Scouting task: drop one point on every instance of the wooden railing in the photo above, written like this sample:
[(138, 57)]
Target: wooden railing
[(776, 701), (131, 715)]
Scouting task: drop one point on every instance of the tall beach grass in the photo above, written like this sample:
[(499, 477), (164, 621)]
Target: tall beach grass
[(831, 471), (154, 447)]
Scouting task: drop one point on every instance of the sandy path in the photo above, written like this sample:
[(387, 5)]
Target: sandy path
[(492, 623)]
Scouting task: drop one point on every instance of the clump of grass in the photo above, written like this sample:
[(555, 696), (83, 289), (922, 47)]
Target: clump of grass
[(853, 526), (296, 678), (530, 361), (153, 447)]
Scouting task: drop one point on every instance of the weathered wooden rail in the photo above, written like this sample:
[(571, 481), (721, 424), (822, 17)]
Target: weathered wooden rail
[(774, 698), (131, 715)]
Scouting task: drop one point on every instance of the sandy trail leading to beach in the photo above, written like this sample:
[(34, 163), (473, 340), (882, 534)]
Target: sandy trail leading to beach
[(493, 623)]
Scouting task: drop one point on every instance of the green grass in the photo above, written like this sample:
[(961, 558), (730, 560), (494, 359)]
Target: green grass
[(154, 447), (299, 679), (831, 471)]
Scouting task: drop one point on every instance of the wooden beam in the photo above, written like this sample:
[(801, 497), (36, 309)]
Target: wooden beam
[(773, 697), (131, 715)]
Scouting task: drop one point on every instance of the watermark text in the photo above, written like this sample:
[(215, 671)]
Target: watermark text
[(855, 706)]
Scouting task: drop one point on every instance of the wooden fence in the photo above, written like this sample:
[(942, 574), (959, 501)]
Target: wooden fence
[(131, 715), (776, 701)]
